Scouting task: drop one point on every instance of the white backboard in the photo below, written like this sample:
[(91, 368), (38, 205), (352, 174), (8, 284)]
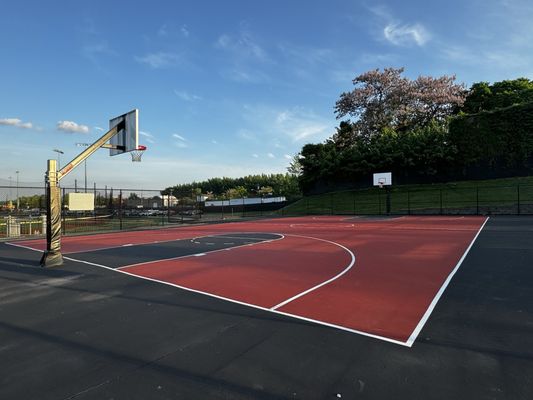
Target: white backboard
[(383, 179), (80, 201), (126, 139)]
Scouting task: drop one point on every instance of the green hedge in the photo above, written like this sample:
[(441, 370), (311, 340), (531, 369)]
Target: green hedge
[(502, 137)]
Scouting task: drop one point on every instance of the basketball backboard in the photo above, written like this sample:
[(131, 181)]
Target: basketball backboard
[(383, 179), (126, 139)]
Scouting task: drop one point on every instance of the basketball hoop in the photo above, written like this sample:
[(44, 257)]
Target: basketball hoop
[(381, 182), (136, 155)]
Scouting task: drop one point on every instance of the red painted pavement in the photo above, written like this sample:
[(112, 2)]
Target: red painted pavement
[(263, 274), (400, 266)]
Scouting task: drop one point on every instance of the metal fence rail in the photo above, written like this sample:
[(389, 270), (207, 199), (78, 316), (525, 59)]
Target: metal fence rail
[(122, 209), (114, 210), (478, 200)]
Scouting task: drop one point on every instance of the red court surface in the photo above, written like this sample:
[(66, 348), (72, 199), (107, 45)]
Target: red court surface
[(380, 278)]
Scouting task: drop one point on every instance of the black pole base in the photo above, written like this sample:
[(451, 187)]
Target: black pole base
[(51, 259)]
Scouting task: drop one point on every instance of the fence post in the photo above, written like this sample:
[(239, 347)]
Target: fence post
[(62, 203), (408, 202), (120, 208), (440, 200), (354, 202), (518, 198), (477, 200), (170, 196), (331, 203), (307, 206), (379, 200)]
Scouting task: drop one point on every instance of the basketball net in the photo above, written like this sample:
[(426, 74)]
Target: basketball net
[(136, 155)]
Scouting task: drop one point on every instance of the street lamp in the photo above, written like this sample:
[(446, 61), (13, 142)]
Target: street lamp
[(58, 157), (84, 162), (18, 204)]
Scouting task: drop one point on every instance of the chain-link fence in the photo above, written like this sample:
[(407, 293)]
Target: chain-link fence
[(478, 200), (23, 210)]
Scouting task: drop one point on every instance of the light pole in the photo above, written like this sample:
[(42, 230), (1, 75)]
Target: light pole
[(9, 189), (18, 204), (58, 158), (84, 162)]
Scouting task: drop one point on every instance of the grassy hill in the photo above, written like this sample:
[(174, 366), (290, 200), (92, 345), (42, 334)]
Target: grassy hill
[(495, 196)]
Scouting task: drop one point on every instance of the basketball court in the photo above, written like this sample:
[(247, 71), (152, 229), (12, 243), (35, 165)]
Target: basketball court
[(282, 308)]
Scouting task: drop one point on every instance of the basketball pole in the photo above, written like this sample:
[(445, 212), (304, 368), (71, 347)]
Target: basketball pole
[(52, 257)]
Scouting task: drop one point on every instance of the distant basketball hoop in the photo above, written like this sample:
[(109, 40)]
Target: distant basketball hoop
[(136, 155), (381, 182)]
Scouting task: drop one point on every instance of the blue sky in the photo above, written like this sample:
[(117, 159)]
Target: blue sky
[(224, 88)]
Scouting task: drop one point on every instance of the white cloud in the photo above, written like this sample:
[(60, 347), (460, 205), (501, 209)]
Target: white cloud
[(214, 141), (97, 53), (300, 125), (288, 157), (244, 75), (246, 134), (180, 142), (277, 125), (184, 31), (160, 60), (72, 127), (241, 46), (99, 129), (397, 32), (147, 136), (187, 96), (177, 136), (405, 35), (10, 121), (255, 155), (17, 123), (270, 155)]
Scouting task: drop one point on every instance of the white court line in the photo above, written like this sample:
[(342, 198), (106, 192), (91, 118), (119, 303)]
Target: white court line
[(437, 297), (24, 247), (409, 343), (386, 339), (204, 253), (323, 283), (222, 236)]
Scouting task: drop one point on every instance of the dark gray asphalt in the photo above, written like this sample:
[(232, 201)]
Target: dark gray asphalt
[(82, 332), (127, 255)]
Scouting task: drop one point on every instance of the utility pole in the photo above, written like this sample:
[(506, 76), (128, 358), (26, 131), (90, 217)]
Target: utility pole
[(84, 162), (18, 204)]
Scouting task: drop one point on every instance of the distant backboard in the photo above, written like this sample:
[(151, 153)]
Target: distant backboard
[(126, 139), (383, 179), (80, 201)]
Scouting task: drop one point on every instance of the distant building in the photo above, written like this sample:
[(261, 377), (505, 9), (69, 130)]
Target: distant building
[(244, 201), (152, 202)]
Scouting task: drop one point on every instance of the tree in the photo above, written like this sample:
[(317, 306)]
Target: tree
[(387, 100), (485, 97), (345, 136), (295, 166)]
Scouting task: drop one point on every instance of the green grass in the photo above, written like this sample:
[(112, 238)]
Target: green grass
[(498, 196)]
